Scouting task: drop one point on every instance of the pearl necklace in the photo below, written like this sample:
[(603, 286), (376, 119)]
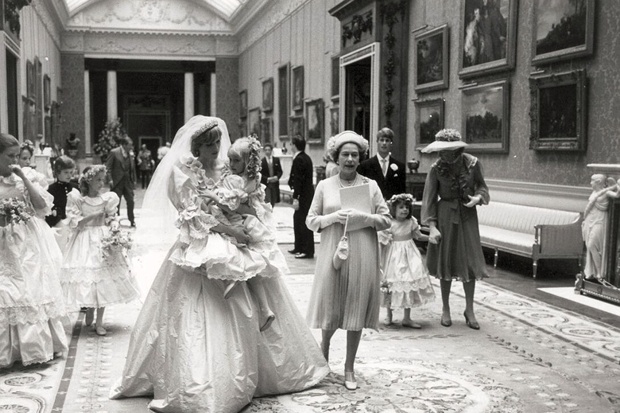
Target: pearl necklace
[(346, 182)]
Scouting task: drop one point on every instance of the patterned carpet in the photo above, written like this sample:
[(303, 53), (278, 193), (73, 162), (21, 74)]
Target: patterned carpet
[(527, 357)]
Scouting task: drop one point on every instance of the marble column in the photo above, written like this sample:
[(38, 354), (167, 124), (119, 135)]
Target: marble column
[(87, 137), (112, 95), (213, 94), (4, 99), (189, 96)]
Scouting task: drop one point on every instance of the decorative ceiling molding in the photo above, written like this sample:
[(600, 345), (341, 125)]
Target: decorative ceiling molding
[(141, 45), (147, 16), (265, 21)]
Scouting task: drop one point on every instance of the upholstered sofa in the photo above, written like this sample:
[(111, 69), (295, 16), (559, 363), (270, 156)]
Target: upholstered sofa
[(538, 233)]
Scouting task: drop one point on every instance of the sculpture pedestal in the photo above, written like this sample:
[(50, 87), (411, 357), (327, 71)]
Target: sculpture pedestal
[(608, 287)]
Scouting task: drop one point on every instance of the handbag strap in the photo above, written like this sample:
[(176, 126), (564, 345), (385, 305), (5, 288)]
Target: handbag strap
[(346, 222)]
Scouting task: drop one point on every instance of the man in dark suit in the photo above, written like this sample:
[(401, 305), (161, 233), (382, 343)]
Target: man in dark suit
[(122, 174), (300, 182), (389, 173), (271, 172)]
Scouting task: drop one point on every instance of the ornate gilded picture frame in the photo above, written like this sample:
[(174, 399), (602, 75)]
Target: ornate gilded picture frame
[(243, 104), (297, 126), (429, 120), (254, 121), (563, 30), (432, 65), (315, 119), (486, 116), (487, 37), (297, 97), (268, 95), (558, 112)]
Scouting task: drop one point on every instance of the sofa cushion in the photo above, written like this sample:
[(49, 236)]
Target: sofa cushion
[(522, 218), (506, 240)]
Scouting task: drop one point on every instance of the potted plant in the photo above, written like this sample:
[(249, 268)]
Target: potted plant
[(108, 138)]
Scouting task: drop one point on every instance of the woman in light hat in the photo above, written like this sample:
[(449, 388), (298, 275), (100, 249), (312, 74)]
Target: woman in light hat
[(345, 292), (454, 186)]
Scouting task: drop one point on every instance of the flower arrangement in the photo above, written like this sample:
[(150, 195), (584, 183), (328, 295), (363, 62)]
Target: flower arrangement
[(108, 138), (116, 239), (448, 135), (13, 211)]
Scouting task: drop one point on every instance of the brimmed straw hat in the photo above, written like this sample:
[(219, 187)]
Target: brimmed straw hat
[(445, 140), (349, 136)]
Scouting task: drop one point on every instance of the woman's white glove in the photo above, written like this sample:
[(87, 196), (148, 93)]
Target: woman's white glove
[(473, 201), (434, 236), (334, 218)]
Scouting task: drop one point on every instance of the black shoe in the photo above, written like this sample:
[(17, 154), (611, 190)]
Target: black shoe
[(302, 255), (133, 224), (294, 252)]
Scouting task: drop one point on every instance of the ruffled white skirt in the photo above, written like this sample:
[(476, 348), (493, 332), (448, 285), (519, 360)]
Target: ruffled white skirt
[(93, 277), (31, 300)]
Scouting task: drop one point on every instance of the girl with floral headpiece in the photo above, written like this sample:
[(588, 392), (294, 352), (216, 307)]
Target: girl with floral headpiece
[(95, 268), (406, 282), (240, 202)]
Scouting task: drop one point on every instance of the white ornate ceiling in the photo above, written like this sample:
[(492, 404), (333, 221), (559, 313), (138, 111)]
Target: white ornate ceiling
[(226, 9)]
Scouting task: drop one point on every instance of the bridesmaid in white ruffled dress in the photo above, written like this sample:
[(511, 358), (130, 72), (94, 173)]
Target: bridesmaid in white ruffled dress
[(192, 349), (31, 302), (95, 276)]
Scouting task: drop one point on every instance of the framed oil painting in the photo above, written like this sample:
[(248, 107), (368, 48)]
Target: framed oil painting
[(297, 126), (432, 64), (315, 132), (429, 120), (487, 37), (563, 29), (268, 95), (254, 122), (47, 93), (283, 100), (485, 116), (266, 130), (334, 113), (243, 128), (243, 104), (297, 98), (558, 112), (30, 80)]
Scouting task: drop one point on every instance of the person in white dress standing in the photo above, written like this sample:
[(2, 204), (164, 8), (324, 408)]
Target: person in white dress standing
[(406, 280), (31, 301), (95, 275), (192, 349)]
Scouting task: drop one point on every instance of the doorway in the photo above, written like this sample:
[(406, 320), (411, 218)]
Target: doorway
[(359, 85)]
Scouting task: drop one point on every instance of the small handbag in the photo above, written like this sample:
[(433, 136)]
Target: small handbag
[(342, 250)]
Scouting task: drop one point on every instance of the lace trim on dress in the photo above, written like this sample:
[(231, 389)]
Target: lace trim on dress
[(114, 270), (31, 314), (194, 224)]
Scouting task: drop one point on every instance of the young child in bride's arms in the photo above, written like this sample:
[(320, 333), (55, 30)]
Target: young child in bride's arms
[(239, 202), (406, 282), (95, 272)]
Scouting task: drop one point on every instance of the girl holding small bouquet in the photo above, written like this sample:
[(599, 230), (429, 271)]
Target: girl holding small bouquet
[(406, 282), (239, 202), (31, 301), (95, 268)]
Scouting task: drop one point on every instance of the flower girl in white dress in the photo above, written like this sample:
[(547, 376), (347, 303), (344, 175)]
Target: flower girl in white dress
[(31, 302), (406, 283), (95, 274)]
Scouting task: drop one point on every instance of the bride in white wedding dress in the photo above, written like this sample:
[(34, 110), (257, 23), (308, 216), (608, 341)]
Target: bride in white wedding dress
[(192, 349)]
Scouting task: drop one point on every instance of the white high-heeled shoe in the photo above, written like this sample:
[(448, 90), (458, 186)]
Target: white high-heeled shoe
[(349, 380)]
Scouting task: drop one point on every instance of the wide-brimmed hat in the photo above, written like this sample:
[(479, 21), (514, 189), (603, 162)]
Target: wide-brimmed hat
[(349, 136), (445, 140)]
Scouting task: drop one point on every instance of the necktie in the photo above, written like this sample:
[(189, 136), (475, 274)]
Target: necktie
[(384, 166)]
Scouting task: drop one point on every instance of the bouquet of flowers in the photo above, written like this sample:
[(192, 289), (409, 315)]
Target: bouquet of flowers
[(386, 294), (115, 239), (13, 211)]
